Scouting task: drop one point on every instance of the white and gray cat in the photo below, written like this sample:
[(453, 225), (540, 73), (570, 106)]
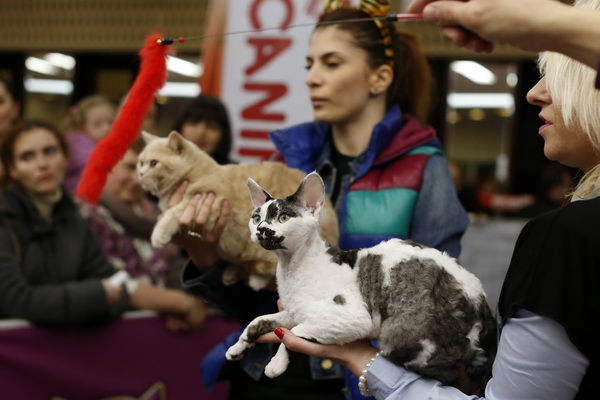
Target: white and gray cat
[(428, 312), (166, 162)]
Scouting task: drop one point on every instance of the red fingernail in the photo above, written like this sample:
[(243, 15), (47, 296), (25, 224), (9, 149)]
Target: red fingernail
[(279, 332)]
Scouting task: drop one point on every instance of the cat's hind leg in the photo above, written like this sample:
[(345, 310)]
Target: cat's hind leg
[(259, 326)]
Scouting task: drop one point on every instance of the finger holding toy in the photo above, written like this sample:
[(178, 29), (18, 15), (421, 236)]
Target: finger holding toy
[(478, 24)]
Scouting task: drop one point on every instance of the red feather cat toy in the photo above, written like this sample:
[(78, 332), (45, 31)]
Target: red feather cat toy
[(125, 129)]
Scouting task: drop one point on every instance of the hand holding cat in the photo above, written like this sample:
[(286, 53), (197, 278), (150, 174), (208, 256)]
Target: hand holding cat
[(353, 356), (202, 250)]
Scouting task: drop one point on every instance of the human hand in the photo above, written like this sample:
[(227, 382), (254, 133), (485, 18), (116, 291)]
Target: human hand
[(192, 316), (113, 292), (353, 356), (199, 236), (478, 24)]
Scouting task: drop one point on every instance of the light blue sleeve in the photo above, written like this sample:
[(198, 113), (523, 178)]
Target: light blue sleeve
[(439, 220), (535, 359)]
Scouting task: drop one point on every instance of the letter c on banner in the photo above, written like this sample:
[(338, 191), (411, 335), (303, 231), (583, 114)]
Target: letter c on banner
[(288, 15)]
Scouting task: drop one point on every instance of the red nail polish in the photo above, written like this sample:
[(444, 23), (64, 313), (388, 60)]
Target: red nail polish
[(279, 332)]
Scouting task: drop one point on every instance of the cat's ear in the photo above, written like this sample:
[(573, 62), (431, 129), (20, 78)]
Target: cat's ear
[(176, 142), (311, 193), (258, 195), (148, 137)]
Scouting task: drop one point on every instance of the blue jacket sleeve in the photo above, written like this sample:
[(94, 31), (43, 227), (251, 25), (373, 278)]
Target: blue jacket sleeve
[(439, 220)]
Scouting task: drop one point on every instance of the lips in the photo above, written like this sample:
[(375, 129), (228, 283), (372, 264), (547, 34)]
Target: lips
[(45, 178), (317, 101), (545, 125)]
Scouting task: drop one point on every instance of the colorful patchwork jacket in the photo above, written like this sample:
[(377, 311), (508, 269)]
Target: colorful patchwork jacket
[(399, 187)]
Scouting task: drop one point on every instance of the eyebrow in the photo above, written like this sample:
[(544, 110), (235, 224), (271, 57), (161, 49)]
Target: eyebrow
[(326, 55)]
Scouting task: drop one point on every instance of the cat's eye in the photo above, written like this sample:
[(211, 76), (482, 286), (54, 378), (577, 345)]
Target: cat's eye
[(283, 218), (256, 219), (153, 163)]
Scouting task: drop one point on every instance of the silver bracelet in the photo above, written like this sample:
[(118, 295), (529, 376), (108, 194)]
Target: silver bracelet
[(362, 379)]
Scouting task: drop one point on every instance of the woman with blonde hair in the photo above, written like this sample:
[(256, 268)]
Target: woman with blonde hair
[(548, 347)]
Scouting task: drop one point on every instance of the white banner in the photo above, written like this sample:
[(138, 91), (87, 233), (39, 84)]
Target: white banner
[(263, 70)]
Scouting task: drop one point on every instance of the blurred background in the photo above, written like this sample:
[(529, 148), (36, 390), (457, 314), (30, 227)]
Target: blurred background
[(64, 50)]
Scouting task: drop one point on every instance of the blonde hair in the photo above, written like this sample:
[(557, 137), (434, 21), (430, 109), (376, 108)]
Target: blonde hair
[(76, 118), (572, 87)]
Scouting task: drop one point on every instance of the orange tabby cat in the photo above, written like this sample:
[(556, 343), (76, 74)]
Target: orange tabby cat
[(166, 162)]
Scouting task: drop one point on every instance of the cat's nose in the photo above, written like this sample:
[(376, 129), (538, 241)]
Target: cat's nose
[(266, 231)]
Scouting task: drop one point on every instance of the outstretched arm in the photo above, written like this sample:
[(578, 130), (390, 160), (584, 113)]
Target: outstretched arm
[(533, 25)]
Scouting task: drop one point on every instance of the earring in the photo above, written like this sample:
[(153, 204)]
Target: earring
[(375, 90)]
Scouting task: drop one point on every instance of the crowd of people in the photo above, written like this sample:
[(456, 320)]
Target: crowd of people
[(64, 262)]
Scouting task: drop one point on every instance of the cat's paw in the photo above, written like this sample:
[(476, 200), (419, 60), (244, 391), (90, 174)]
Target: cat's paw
[(276, 366), (159, 239), (236, 352), (258, 282)]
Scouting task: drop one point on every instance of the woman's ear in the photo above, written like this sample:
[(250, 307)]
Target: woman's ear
[(381, 79)]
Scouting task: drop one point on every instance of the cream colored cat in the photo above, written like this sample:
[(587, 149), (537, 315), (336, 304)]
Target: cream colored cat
[(166, 162)]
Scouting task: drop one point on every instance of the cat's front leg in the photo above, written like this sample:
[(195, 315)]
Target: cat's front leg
[(259, 326), (167, 226), (281, 359), (278, 363)]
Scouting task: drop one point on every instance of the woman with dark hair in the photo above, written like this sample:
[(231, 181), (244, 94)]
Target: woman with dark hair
[(52, 268), (383, 169), (206, 123)]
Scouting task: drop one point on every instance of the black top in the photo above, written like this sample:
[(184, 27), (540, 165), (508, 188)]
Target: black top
[(51, 271), (555, 273)]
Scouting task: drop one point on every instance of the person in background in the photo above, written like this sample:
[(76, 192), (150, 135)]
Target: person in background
[(52, 268), (466, 195), (87, 122), (548, 349), (205, 122), (383, 169), (533, 25), (128, 250), (10, 106), (555, 186)]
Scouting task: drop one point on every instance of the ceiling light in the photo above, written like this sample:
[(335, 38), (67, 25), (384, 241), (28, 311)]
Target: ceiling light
[(183, 67), (52, 86), (180, 89), (474, 72), (40, 66), (481, 100), (512, 79), (60, 60)]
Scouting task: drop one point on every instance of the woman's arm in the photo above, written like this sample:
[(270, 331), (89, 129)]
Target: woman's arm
[(533, 25), (535, 359), (49, 301)]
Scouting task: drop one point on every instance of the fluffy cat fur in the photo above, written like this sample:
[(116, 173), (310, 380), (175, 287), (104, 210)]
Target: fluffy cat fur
[(166, 162), (428, 312)]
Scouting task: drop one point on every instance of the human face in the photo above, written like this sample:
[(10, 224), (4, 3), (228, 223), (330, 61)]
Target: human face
[(205, 135), (339, 78), (39, 162), (98, 120), (566, 144), (9, 108), (123, 181)]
